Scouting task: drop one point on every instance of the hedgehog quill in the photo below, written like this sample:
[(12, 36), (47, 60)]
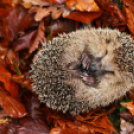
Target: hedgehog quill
[(82, 70)]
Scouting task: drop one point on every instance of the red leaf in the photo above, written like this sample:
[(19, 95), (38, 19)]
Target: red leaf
[(24, 42), (57, 1), (32, 104), (129, 4), (60, 130), (13, 107), (83, 5), (9, 84), (60, 26), (30, 126), (23, 80), (130, 19), (16, 20), (85, 17), (40, 37)]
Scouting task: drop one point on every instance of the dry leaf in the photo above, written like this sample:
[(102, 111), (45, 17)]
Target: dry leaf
[(83, 5), (9, 84), (9, 2), (24, 42), (40, 37), (84, 17), (13, 107), (130, 19), (129, 106), (126, 127), (126, 115)]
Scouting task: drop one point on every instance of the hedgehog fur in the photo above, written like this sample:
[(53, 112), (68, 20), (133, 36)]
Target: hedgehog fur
[(53, 78)]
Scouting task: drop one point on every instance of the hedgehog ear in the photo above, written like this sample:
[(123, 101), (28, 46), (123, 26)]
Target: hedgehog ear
[(86, 60)]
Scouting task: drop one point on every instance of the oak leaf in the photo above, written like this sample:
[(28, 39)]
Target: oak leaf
[(39, 39), (126, 127), (129, 106), (54, 10), (85, 17), (44, 2), (10, 85), (13, 107), (83, 5), (130, 19)]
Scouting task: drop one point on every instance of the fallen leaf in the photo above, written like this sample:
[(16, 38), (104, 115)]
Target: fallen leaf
[(39, 39), (126, 115), (60, 26), (13, 107), (91, 123), (44, 2), (111, 15), (32, 105), (126, 127), (24, 42), (17, 19), (9, 2), (83, 5), (129, 106), (130, 19), (60, 130), (85, 17), (25, 126), (54, 11), (57, 1), (23, 80), (41, 13), (37, 2), (129, 4), (9, 84), (31, 126)]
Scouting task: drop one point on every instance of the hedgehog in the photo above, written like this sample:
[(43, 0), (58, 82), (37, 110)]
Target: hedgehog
[(83, 70)]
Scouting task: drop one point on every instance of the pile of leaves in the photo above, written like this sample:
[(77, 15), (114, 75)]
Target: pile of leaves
[(24, 26)]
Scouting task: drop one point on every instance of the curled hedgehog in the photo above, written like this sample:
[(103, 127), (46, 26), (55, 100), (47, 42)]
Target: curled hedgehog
[(82, 70)]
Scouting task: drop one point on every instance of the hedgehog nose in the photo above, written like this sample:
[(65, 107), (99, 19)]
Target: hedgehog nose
[(93, 67)]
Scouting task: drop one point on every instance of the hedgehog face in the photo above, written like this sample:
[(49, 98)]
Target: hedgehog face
[(83, 70)]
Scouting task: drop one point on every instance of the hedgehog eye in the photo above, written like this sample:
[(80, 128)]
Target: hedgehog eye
[(98, 59)]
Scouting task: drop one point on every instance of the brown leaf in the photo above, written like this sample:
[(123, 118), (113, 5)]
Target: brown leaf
[(44, 2), (57, 1), (57, 14), (37, 2), (130, 19), (129, 4), (3, 51), (84, 17), (83, 5), (126, 127), (24, 42), (25, 126), (95, 121), (60, 130), (9, 84), (129, 106), (39, 39), (23, 80), (111, 15), (13, 107), (126, 115), (31, 126), (32, 104), (17, 19), (60, 26), (9, 2), (41, 13)]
